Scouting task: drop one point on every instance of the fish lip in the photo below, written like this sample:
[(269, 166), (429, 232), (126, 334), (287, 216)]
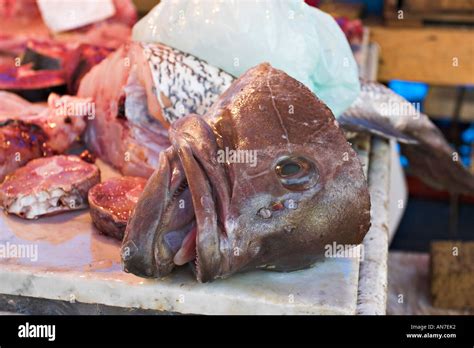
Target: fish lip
[(139, 246), (206, 270), (164, 251), (196, 146), (201, 268), (203, 271)]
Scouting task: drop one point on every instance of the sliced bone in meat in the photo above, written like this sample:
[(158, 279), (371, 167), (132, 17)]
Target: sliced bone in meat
[(47, 186)]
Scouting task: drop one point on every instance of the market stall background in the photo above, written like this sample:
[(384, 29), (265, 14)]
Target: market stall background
[(387, 48)]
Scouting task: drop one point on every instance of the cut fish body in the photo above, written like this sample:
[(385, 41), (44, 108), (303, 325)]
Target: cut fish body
[(138, 91), (46, 64)]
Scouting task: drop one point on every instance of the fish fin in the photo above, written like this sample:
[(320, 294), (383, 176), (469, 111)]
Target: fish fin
[(382, 112), (439, 170), (371, 123), (434, 161), (378, 110)]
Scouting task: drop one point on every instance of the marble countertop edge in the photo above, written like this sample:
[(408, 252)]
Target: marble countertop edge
[(164, 298)]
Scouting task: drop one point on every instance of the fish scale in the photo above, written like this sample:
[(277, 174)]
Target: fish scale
[(191, 85)]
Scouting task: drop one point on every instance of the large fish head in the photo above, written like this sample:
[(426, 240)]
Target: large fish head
[(270, 177)]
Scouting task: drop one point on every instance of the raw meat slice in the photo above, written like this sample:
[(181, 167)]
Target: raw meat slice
[(112, 202), (68, 55), (48, 185), (25, 16)]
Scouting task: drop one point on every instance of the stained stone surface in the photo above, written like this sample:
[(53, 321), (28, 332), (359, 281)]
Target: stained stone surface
[(77, 264)]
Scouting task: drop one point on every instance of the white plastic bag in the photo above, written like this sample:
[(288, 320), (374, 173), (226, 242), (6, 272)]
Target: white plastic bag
[(236, 35)]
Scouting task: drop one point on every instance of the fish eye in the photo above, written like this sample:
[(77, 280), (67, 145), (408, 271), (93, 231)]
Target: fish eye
[(288, 168), (297, 173)]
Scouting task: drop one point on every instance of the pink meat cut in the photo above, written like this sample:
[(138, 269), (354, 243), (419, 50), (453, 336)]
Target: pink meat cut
[(46, 63), (112, 203), (23, 12), (47, 186)]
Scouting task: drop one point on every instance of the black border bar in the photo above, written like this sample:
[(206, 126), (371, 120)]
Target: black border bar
[(261, 330)]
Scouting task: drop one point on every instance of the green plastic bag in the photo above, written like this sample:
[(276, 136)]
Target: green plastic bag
[(237, 35)]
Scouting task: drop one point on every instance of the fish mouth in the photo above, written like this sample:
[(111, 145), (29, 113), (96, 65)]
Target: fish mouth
[(158, 226), (206, 242), (179, 217)]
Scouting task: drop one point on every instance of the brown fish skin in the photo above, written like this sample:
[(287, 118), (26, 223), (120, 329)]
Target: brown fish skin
[(305, 191)]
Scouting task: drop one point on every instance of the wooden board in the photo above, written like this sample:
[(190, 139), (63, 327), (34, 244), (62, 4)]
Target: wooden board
[(439, 5), (427, 12), (425, 54), (440, 103), (340, 9), (409, 284)]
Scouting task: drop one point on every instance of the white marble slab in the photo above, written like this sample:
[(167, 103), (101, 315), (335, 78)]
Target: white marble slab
[(76, 263)]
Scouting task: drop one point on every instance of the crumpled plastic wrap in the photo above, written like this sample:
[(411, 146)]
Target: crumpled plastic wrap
[(236, 35)]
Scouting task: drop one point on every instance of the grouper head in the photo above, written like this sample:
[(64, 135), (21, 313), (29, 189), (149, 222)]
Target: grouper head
[(266, 179)]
